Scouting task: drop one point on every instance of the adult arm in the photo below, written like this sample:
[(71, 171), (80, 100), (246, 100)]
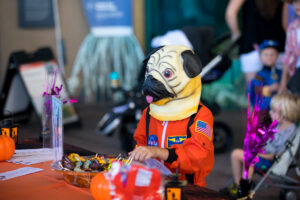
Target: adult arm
[(289, 58), (284, 79), (231, 17), (273, 87), (285, 13)]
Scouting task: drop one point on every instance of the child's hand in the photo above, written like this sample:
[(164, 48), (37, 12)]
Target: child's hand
[(266, 91), (143, 153)]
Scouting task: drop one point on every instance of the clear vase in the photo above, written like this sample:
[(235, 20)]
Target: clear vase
[(52, 131), (46, 122)]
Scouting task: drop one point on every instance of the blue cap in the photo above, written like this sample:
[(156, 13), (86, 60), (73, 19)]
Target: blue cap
[(267, 44)]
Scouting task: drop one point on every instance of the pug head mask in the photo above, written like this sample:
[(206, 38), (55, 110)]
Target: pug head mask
[(172, 82)]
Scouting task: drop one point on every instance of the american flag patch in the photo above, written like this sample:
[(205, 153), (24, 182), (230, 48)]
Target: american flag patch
[(202, 127)]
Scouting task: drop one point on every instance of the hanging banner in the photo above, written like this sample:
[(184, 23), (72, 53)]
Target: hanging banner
[(109, 17)]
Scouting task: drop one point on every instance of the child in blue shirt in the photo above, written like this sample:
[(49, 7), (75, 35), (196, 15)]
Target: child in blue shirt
[(266, 83)]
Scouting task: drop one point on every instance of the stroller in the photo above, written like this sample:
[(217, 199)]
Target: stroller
[(277, 176), (125, 115), (282, 172)]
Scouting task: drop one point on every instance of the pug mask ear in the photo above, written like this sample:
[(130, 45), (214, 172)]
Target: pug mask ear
[(191, 63)]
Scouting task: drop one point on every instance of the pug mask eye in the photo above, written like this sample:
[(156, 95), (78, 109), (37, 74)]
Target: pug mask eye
[(167, 73)]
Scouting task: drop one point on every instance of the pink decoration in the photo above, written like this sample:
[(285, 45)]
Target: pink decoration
[(257, 135), (73, 101)]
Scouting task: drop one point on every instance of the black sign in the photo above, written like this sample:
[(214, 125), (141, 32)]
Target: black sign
[(24, 84), (36, 13)]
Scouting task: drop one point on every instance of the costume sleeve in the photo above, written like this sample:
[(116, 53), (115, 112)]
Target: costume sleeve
[(257, 83), (259, 77), (140, 132), (197, 149)]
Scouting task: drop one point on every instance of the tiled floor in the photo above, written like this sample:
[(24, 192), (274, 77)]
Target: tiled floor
[(87, 138)]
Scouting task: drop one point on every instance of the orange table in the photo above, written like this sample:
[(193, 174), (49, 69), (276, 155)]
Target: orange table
[(44, 185), (49, 185)]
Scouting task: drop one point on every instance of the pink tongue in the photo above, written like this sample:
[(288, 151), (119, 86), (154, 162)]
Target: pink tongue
[(149, 99)]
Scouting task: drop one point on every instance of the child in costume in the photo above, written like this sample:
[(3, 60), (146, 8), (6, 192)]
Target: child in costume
[(176, 128), (287, 108), (266, 82)]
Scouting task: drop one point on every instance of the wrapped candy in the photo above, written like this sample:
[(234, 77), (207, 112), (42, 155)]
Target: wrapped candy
[(67, 163), (75, 162), (75, 157), (86, 165), (78, 166)]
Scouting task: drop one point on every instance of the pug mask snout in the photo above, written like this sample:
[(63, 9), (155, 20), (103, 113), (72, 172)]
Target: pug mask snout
[(155, 88)]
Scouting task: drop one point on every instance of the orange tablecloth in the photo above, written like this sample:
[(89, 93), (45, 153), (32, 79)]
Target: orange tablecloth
[(50, 185), (44, 185)]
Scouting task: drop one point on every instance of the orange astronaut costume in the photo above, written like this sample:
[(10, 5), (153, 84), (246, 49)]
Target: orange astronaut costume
[(177, 121)]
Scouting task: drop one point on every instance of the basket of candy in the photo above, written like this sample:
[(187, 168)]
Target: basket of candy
[(79, 170)]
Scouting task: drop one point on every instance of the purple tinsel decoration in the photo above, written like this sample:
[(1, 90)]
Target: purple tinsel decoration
[(54, 91), (257, 135)]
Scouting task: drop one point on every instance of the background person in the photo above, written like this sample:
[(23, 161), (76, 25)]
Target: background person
[(288, 117), (291, 60), (261, 19), (266, 82)]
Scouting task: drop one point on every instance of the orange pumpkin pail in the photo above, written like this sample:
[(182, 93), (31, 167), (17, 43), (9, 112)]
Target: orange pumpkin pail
[(7, 147), (100, 187)]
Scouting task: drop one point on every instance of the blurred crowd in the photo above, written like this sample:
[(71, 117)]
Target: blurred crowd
[(269, 37), (265, 25)]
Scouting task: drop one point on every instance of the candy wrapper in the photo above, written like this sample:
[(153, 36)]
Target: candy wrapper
[(258, 132), (127, 182)]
